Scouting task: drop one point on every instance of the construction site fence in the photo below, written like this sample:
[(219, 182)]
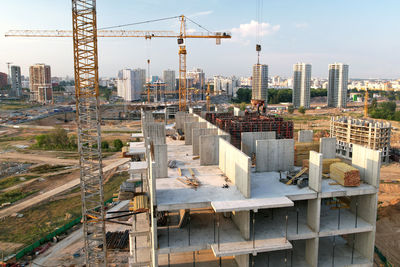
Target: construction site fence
[(49, 237)]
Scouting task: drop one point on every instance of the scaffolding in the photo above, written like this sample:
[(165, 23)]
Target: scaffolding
[(368, 133)]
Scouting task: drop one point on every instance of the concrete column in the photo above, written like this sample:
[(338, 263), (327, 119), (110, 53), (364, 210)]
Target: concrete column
[(327, 147), (305, 136), (315, 171), (243, 260), (313, 214), (312, 246)]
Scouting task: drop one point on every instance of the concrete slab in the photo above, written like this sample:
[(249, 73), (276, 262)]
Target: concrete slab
[(266, 185), (274, 155), (251, 204), (137, 135), (328, 190), (136, 149), (241, 248), (138, 167), (248, 143), (327, 147), (305, 136)]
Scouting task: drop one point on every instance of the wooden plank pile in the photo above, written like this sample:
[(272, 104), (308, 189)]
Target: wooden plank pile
[(302, 151), (345, 174), (326, 164)]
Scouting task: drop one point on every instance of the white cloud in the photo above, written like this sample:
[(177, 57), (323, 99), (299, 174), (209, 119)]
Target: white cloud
[(249, 29), (301, 25), (201, 13)]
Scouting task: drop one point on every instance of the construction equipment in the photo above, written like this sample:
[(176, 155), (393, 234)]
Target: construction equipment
[(181, 38), (300, 173), (89, 133)]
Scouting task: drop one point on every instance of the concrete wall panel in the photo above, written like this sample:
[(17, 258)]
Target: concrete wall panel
[(161, 161), (274, 155), (236, 165), (368, 162), (156, 132), (196, 133), (315, 171), (248, 143), (305, 136), (209, 149), (327, 147), (188, 127)]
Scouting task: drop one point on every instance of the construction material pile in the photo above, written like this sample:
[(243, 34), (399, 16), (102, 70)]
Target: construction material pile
[(345, 174), (302, 151), (326, 164), (117, 240), (250, 122)]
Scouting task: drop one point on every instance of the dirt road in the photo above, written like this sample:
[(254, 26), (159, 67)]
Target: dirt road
[(110, 164), (35, 158)]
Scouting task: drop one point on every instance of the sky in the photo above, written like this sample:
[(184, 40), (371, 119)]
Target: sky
[(361, 33)]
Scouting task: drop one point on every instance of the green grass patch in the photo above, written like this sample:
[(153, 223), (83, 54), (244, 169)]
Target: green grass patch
[(14, 180), (44, 218), (46, 168), (12, 138), (16, 106), (14, 195)]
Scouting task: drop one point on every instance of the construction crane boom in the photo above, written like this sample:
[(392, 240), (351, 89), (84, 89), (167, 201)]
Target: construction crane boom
[(181, 37)]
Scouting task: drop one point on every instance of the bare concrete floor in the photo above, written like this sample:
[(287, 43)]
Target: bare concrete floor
[(204, 258)]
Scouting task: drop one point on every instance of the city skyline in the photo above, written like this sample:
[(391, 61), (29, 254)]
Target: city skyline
[(292, 32)]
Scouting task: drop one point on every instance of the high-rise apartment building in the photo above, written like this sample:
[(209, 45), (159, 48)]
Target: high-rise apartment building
[(169, 79), (301, 85), (16, 84), (40, 83), (260, 82), (3, 79), (131, 83), (198, 77), (337, 85)]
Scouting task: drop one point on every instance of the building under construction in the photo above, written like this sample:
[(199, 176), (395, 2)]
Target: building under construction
[(368, 133), (204, 196)]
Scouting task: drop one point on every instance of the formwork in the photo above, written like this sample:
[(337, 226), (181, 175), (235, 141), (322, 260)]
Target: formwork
[(251, 122)]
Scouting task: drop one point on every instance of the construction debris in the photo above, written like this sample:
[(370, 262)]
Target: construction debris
[(326, 163), (299, 174), (193, 182), (172, 164), (345, 174), (117, 240)]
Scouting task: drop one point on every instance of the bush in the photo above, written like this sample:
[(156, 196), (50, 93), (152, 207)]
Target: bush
[(105, 145), (290, 109), (302, 110), (117, 143), (56, 140)]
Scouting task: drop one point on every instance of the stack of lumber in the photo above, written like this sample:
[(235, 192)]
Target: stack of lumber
[(326, 164), (139, 203), (345, 174), (302, 151)]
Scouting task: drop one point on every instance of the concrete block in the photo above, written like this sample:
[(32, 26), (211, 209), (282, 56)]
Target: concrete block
[(315, 171), (236, 165), (274, 155), (327, 147), (248, 143), (196, 133), (161, 161), (209, 149), (305, 136), (312, 251), (188, 127), (368, 162)]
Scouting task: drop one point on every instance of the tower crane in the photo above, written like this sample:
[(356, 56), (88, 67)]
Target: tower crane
[(85, 33), (181, 39)]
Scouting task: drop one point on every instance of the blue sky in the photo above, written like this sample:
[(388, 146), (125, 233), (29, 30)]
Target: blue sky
[(361, 33)]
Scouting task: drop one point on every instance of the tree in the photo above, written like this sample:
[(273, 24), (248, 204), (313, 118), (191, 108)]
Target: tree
[(243, 95), (302, 110), (290, 109), (117, 143), (104, 145)]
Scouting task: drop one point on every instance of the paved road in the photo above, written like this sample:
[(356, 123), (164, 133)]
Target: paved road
[(35, 200)]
